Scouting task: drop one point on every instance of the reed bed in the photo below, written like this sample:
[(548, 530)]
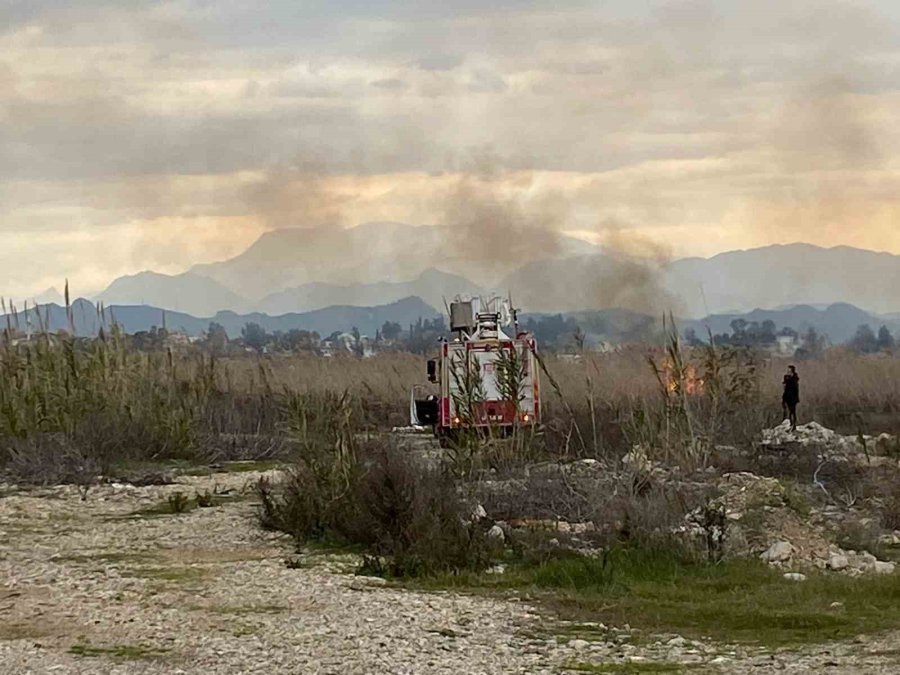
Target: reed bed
[(87, 404)]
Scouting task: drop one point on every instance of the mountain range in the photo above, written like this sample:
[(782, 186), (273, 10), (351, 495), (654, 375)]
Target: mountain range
[(188, 292), (837, 322), (297, 270), (738, 281), (432, 286), (135, 318)]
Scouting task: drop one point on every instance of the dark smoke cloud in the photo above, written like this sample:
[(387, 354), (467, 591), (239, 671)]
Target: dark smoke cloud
[(633, 278), (491, 223), (488, 228)]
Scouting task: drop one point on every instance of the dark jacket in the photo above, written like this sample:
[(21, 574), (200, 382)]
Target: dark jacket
[(791, 389)]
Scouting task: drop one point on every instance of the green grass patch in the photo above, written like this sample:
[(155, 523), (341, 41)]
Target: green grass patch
[(122, 652), (186, 503), (738, 601)]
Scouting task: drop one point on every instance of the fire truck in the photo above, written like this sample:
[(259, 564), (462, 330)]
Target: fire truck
[(485, 374)]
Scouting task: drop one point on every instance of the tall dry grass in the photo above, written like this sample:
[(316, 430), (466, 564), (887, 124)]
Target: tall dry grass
[(86, 404)]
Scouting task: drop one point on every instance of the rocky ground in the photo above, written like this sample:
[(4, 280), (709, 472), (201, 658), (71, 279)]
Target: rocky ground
[(97, 586)]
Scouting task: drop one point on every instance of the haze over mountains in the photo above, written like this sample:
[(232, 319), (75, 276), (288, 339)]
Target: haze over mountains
[(301, 270), (334, 280), (188, 292), (432, 286), (369, 253)]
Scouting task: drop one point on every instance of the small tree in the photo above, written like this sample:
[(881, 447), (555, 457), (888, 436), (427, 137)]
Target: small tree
[(767, 332), (391, 330), (216, 338), (254, 336), (813, 343), (357, 346), (690, 337), (886, 341), (865, 341), (739, 331)]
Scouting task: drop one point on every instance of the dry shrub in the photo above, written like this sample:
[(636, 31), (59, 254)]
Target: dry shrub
[(884, 488), (414, 521), (545, 492), (49, 459), (649, 513), (407, 519)]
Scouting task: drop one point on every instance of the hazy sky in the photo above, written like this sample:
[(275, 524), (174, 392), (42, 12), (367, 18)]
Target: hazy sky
[(138, 135)]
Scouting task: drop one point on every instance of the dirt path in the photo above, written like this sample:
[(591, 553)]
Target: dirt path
[(89, 587)]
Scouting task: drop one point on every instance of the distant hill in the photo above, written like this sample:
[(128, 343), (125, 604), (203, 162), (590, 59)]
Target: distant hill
[(296, 269), (369, 253), (838, 322), (432, 286), (134, 318), (188, 292), (738, 281), (47, 296)]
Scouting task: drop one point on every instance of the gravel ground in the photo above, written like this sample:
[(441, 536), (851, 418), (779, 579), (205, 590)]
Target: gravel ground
[(88, 587)]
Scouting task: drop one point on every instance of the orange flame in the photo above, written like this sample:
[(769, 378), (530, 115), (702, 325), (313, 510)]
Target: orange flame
[(688, 380)]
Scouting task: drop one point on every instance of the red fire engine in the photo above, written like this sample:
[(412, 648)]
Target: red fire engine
[(486, 374)]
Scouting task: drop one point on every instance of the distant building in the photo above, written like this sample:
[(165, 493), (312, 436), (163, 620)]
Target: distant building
[(785, 345), (177, 339), (348, 343)]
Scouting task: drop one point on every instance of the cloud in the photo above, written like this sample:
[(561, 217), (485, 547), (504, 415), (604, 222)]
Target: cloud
[(439, 61), (701, 125), (390, 84)]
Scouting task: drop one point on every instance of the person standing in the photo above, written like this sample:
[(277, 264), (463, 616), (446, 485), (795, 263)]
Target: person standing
[(791, 396)]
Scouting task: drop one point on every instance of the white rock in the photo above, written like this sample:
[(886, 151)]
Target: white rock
[(780, 551), (882, 567), (586, 462), (836, 561), (496, 533), (865, 561), (794, 576), (579, 644)]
